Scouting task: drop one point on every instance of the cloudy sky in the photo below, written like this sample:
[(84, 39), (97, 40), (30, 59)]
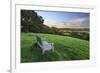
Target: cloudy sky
[(65, 19)]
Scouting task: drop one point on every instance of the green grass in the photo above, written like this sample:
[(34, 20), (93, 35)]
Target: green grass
[(66, 48)]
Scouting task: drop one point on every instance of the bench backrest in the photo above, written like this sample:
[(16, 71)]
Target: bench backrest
[(39, 40)]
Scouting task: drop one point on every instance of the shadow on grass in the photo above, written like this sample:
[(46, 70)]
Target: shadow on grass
[(60, 54), (37, 56)]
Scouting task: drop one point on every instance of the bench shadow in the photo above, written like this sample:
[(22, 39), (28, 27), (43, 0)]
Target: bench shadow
[(37, 56)]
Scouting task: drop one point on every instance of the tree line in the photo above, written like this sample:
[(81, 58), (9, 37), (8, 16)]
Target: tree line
[(32, 22)]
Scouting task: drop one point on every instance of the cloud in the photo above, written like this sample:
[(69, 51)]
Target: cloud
[(51, 24), (75, 23)]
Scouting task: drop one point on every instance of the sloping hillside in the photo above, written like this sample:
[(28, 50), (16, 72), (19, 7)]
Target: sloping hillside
[(66, 48)]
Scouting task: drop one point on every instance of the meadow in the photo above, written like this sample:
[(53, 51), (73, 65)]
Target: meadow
[(65, 48)]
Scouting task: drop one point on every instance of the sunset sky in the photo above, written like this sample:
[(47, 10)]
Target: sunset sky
[(65, 19)]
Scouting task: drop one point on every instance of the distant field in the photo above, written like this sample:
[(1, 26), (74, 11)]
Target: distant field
[(74, 29), (81, 33), (66, 48)]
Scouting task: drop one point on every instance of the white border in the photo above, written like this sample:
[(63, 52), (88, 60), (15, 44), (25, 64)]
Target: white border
[(15, 60)]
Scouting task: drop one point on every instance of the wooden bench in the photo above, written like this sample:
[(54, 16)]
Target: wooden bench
[(44, 45)]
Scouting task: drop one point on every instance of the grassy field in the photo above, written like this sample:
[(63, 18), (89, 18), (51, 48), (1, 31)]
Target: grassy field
[(66, 48)]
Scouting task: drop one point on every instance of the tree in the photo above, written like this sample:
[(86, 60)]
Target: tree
[(31, 21)]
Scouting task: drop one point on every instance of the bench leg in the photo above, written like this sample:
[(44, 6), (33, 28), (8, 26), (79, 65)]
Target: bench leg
[(43, 51), (52, 47)]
